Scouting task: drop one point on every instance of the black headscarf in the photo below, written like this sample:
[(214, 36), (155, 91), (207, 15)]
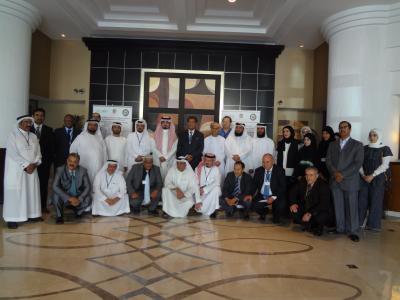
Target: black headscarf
[(289, 140), (309, 152), (323, 145)]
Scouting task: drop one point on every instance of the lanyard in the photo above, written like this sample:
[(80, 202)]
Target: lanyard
[(139, 140), (108, 182), (26, 139), (205, 171)]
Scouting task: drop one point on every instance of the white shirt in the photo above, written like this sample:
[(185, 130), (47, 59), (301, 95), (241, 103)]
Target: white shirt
[(343, 142)]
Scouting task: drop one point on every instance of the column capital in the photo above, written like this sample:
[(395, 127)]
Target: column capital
[(21, 10), (360, 17)]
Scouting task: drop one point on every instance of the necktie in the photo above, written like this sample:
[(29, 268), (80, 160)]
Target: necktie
[(147, 188), (309, 187), (190, 137), (72, 189), (236, 190), (69, 135), (38, 132), (266, 190)]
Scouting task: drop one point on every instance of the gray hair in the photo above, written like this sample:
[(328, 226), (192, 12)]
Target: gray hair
[(312, 169)]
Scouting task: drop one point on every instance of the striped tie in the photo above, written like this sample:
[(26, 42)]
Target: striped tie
[(236, 191)]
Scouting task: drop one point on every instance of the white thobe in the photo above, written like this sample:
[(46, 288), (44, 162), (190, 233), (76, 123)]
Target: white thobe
[(21, 190), (92, 150), (116, 148), (168, 155), (174, 207), (261, 146), (137, 144), (107, 187), (210, 182), (241, 146), (216, 145)]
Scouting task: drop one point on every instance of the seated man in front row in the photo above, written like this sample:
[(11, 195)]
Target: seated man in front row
[(311, 204), (109, 191), (144, 185), (270, 182), (181, 190), (237, 191), (71, 187), (209, 178)]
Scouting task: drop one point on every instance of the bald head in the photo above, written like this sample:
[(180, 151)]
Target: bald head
[(214, 128), (267, 161)]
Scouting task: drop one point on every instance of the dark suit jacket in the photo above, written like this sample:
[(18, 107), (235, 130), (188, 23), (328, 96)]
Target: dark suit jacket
[(277, 182), (61, 145), (46, 142), (246, 185), (195, 148), (347, 161), (318, 200), (62, 183), (137, 175)]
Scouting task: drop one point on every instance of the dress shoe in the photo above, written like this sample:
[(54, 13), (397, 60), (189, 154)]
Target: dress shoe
[(136, 211), (276, 220), (12, 225), (213, 215), (354, 237), (60, 220), (153, 212), (261, 218)]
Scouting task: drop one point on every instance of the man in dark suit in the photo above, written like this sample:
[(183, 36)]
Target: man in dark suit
[(310, 202), (270, 184), (71, 188), (45, 136), (237, 191), (343, 160), (191, 143), (63, 138), (144, 184)]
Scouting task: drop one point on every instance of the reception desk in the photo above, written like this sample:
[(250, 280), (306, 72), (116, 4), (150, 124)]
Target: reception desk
[(392, 196)]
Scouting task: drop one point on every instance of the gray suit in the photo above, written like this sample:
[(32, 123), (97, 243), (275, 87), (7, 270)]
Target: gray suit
[(61, 186), (134, 184), (347, 161)]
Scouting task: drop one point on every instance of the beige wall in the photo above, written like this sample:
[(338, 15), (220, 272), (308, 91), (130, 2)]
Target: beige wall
[(69, 69), (294, 87), (40, 65)]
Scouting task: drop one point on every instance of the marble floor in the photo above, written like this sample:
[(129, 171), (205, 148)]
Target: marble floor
[(145, 257)]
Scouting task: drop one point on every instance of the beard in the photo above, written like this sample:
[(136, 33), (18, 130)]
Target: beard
[(238, 133), (91, 131), (260, 135)]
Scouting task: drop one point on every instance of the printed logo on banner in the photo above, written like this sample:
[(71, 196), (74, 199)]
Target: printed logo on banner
[(125, 112)]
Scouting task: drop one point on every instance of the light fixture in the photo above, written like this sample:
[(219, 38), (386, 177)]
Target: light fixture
[(63, 35), (231, 1), (301, 45)]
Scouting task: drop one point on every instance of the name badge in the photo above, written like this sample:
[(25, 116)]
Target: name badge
[(28, 147), (143, 181)]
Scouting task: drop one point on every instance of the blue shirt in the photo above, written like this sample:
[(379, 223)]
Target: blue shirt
[(223, 133)]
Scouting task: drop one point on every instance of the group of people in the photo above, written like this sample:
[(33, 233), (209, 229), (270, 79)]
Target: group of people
[(336, 183)]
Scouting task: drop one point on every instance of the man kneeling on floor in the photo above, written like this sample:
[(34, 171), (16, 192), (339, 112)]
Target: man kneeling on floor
[(144, 185), (237, 191), (71, 188), (180, 190), (109, 191), (311, 204)]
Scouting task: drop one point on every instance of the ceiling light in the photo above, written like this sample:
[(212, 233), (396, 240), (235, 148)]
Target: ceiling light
[(231, 1), (301, 45), (63, 35)]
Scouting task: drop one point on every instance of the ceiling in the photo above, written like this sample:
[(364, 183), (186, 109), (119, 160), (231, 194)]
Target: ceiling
[(287, 22)]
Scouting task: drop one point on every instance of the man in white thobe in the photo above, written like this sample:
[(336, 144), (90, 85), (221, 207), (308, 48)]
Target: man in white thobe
[(166, 142), (116, 144), (262, 144), (110, 197), (215, 144), (181, 190), (91, 148), (238, 146), (208, 177), (102, 129), (138, 144), (21, 181)]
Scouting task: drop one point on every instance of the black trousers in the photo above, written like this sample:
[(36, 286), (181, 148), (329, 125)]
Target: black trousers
[(231, 209), (319, 220), (44, 174), (261, 208)]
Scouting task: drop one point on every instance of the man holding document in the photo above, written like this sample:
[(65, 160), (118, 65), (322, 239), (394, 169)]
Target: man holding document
[(270, 182)]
